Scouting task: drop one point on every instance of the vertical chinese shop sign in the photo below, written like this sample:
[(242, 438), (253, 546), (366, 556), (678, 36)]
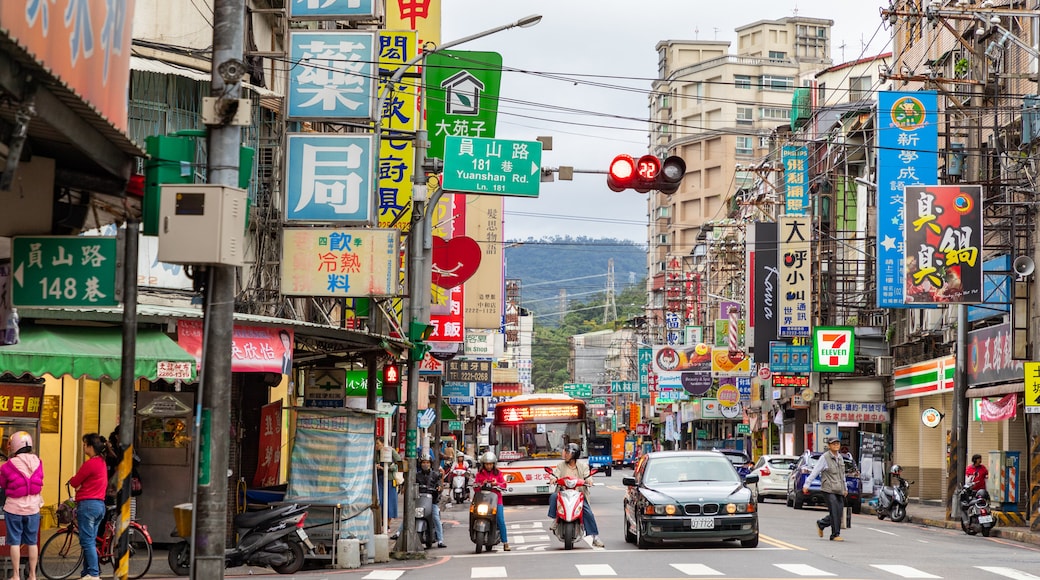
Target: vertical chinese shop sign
[(943, 244), (795, 270)]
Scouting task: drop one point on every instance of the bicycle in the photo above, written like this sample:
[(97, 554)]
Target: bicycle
[(62, 556)]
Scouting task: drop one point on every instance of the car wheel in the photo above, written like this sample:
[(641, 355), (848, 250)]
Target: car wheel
[(641, 542), (629, 536), (798, 501), (790, 502), (752, 543)]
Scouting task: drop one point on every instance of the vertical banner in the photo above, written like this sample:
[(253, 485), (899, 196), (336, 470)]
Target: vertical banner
[(399, 115), (795, 272), (268, 464), (796, 179), (447, 307), (908, 154), (766, 283), (485, 291), (943, 239)]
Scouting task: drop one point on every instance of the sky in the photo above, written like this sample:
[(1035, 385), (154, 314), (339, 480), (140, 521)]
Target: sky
[(583, 75)]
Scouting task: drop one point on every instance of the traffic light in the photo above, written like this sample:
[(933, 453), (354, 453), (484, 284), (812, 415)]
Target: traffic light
[(418, 333), (646, 173), (391, 383)]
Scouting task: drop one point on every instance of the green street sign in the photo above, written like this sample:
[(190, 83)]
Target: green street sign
[(492, 166), (578, 390), (743, 429), (454, 425), (65, 271), (461, 96)]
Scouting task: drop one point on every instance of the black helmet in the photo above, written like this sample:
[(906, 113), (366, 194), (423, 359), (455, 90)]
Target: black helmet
[(896, 469), (573, 449)]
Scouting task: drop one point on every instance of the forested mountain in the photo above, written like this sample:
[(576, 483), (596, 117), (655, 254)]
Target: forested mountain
[(578, 266)]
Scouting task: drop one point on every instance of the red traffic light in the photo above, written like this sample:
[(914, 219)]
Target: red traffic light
[(621, 172), (391, 374)]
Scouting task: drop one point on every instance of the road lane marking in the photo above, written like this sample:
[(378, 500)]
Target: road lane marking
[(1008, 572), (802, 570), (696, 570), (780, 543), (880, 531), (595, 570), (903, 571), (487, 572), (384, 575)]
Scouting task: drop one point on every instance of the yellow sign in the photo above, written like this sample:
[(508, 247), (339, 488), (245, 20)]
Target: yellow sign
[(1032, 371)]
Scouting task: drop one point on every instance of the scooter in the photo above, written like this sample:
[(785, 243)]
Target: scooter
[(273, 537), (483, 518), (975, 513), (459, 485), (892, 500), (424, 525), (569, 503)]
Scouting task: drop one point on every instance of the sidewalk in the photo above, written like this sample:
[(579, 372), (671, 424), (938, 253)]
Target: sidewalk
[(1010, 526)]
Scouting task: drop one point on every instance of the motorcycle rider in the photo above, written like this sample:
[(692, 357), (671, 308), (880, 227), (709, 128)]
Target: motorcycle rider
[(896, 475), (460, 466), (429, 481), (570, 467), (489, 473)]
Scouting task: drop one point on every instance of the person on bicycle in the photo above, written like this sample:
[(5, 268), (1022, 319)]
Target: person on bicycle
[(489, 473), (91, 483), (22, 480)]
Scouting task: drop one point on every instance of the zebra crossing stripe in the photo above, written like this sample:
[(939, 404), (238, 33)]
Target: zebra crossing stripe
[(904, 571), (1008, 573), (802, 570), (488, 572), (696, 570), (383, 575), (595, 570)]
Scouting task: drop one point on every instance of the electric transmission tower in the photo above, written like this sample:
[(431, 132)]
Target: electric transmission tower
[(610, 308)]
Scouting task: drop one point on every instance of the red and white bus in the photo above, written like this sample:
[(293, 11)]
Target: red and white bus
[(529, 432)]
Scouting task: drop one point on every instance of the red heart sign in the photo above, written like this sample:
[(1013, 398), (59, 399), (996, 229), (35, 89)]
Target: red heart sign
[(454, 261)]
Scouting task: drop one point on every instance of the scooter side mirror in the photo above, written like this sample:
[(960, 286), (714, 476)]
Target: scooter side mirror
[(547, 469)]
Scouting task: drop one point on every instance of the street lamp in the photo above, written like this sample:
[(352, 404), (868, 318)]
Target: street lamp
[(420, 260)]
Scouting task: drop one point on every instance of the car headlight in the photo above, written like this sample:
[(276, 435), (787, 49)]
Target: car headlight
[(740, 508), (658, 510)]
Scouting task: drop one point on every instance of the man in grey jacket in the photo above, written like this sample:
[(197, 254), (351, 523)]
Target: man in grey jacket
[(831, 469)]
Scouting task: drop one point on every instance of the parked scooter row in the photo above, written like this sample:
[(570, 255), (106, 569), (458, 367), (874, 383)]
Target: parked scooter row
[(273, 537)]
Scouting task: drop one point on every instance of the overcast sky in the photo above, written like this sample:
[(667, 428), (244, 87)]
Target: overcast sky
[(590, 64)]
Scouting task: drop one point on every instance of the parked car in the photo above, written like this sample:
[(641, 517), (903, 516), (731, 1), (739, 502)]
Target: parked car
[(796, 480), (690, 496), (772, 471), (740, 460)]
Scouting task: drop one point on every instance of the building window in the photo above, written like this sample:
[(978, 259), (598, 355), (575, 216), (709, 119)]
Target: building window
[(763, 141), (859, 88), (742, 81), (744, 146), (775, 113), (776, 54), (745, 115), (777, 83)]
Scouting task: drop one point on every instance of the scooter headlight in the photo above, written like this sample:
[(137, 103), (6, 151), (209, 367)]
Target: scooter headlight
[(482, 509), (420, 512)]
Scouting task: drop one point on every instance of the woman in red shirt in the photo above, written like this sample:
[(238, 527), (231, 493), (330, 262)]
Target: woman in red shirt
[(91, 483)]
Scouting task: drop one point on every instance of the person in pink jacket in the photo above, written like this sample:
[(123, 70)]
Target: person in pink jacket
[(490, 473), (21, 478)]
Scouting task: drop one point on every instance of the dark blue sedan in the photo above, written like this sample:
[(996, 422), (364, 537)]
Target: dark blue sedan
[(796, 481)]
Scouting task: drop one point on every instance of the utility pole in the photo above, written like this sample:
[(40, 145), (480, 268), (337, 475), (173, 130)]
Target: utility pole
[(211, 493)]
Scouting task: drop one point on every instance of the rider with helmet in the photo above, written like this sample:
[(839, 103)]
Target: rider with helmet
[(429, 481), (489, 473), (22, 478), (570, 467), (895, 475)]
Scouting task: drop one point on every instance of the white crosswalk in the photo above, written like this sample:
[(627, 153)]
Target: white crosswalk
[(693, 570)]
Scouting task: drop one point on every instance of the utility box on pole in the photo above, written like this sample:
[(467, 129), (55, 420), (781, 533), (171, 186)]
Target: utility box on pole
[(202, 224)]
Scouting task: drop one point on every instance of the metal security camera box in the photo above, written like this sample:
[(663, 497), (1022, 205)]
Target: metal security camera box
[(202, 224)]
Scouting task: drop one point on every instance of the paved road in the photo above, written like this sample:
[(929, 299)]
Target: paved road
[(789, 549)]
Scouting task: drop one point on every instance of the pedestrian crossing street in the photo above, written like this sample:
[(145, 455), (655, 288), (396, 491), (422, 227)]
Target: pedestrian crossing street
[(694, 570)]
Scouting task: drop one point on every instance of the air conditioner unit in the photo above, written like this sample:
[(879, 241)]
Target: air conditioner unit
[(883, 366)]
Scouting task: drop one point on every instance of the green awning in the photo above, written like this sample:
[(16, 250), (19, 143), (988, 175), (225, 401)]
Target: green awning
[(93, 352), (447, 414)]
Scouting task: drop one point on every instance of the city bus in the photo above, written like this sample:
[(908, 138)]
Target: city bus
[(528, 433)]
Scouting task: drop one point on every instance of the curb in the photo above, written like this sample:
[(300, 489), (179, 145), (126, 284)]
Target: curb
[(1018, 534)]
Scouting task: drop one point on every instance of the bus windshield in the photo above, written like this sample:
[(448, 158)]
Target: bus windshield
[(537, 440)]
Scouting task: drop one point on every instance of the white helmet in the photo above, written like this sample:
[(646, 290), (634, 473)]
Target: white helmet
[(18, 441), (489, 457)]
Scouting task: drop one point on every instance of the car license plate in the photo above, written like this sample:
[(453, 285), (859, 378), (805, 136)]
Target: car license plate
[(542, 489), (702, 523), (985, 519)]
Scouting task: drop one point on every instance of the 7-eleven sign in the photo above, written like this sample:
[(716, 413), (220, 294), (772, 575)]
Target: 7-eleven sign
[(833, 349)]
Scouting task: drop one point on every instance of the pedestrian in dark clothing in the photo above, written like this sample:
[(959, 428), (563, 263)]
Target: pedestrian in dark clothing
[(831, 469)]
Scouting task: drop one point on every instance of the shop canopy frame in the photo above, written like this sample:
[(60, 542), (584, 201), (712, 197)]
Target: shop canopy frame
[(93, 352)]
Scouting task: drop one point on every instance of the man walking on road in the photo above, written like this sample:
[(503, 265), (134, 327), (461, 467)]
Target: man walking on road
[(831, 469)]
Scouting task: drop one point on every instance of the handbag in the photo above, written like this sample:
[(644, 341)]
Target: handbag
[(66, 512)]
